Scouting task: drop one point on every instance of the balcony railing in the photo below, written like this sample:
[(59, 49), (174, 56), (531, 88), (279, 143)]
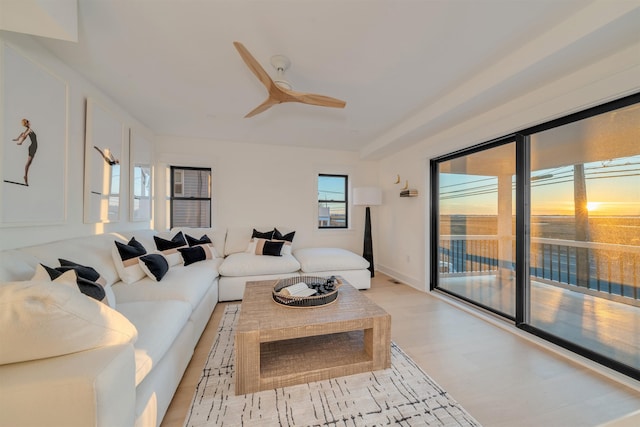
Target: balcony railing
[(604, 268)]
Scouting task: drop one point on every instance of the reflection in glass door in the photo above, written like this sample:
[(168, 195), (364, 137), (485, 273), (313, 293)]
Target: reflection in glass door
[(585, 234), (476, 246)]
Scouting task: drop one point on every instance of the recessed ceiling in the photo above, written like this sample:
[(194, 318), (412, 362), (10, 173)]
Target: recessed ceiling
[(172, 64)]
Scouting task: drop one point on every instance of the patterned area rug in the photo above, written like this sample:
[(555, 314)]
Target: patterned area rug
[(402, 395)]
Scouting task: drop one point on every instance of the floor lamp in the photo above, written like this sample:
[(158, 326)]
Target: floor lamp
[(367, 196)]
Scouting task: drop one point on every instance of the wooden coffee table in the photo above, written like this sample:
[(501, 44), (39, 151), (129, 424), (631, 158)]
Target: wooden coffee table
[(278, 346)]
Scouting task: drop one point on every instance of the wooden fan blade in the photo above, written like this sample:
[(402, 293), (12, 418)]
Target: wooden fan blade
[(315, 99), (268, 103), (278, 94), (254, 66)]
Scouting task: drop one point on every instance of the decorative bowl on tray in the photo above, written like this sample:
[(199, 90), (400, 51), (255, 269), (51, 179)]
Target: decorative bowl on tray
[(306, 291)]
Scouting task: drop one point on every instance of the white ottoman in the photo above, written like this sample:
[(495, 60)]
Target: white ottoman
[(334, 262)]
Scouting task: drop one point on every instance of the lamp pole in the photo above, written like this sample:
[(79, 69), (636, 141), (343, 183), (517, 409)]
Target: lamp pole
[(367, 196), (367, 252)]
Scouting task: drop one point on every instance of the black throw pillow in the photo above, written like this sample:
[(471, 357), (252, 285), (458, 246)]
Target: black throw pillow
[(154, 265), (277, 235), (192, 241), (263, 234), (272, 248), (91, 289), (87, 287), (176, 242), (83, 271), (130, 250), (194, 254)]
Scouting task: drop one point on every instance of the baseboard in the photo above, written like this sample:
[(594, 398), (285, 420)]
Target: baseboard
[(630, 420), (408, 280)]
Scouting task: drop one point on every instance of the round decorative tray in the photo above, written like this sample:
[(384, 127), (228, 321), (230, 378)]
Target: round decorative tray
[(326, 291)]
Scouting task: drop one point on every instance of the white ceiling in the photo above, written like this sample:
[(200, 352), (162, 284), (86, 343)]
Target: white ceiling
[(407, 69)]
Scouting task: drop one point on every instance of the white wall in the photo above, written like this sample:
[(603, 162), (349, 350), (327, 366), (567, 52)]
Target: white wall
[(405, 230), (79, 89), (276, 186), (267, 186)]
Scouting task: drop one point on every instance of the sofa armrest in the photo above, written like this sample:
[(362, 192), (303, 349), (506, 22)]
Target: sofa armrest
[(89, 388)]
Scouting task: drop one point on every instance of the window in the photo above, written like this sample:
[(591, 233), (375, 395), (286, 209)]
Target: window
[(332, 201), (141, 209), (542, 226), (190, 197)]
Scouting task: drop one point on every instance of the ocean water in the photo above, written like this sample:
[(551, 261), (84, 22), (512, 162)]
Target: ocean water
[(618, 230)]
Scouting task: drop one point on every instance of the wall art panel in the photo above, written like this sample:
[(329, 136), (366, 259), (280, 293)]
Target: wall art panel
[(34, 124), (103, 164)]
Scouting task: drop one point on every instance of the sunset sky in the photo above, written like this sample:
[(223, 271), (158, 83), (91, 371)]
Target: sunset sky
[(613, 189)]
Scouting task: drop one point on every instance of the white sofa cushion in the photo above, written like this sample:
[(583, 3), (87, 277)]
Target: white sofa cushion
[(16, 265), (158, 324), (247, 264), (181, 283), (232, 288), (39, 320), (328, 259), (87, 388), (238, 238)]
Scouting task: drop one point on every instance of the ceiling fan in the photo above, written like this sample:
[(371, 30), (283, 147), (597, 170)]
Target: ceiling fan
[(279, 89)]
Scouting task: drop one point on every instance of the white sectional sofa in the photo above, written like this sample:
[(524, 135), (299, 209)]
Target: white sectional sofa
[(76, 381), (69, 360)]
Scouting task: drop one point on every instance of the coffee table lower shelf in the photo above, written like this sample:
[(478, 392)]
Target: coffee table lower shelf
[(302, 360)]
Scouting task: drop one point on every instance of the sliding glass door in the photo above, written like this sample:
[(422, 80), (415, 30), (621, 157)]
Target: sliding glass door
[(585, 233), (543, 227), (476, 258)]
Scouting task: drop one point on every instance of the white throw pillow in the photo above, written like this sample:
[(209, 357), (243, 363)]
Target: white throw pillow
[(215, 252), (68, 278), (38, 320), (128, 267), (251, 249)]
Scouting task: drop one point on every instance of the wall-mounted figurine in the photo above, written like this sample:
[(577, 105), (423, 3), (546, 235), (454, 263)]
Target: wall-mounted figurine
[(33, 147)]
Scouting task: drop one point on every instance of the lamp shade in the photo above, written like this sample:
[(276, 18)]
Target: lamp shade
[(367, 196)]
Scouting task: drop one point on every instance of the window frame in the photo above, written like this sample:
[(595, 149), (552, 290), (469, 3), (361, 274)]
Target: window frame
[(173, 198), (345, 202)]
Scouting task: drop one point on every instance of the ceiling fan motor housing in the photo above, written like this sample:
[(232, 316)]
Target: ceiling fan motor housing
[(281, 63)]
